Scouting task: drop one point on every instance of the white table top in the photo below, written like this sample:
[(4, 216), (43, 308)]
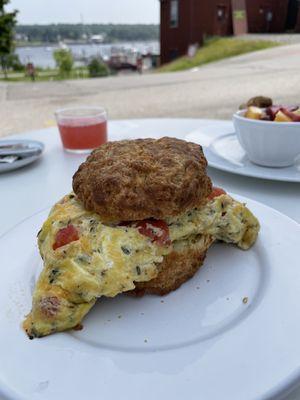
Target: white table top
[(29, 190), (33, 188)]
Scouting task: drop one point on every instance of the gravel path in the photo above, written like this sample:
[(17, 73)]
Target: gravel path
[(212, 91)]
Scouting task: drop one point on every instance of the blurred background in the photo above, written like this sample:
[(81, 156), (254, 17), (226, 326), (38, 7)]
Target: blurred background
[(150, 58)]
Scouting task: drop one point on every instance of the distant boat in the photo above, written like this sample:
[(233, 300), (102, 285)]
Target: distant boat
[(97, 39), (63, 46)]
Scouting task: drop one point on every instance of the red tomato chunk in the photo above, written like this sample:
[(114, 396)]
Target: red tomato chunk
[(216, 192), (65, 236), (156, 230)]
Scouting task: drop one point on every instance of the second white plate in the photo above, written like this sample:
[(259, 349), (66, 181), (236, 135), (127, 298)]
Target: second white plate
[(224, 152)]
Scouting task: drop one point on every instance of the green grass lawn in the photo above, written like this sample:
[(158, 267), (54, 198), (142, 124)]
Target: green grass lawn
[(217, 49), (46, 75)]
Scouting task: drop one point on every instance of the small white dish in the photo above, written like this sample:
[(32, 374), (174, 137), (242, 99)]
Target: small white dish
[(268, 143), (34, 145), (200, 342), (224, 152)]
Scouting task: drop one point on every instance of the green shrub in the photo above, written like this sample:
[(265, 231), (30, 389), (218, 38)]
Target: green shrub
[(97, 68), (12, 62), (15, 64), (64, 61)]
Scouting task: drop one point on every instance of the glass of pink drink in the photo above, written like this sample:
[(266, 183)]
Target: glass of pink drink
[(82, 129)]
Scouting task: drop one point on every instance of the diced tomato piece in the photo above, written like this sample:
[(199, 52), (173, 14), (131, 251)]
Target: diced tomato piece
[(65, 236), (157, 230), (273, 110), (294, 117), (216, 192)]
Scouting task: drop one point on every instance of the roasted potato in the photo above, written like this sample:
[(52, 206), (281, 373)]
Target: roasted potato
[(254, 113)]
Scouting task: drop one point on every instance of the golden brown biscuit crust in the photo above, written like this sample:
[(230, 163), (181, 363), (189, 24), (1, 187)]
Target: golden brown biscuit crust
[(144, 178), (176, 268)]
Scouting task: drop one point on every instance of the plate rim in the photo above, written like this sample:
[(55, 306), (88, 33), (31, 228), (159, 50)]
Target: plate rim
[(222, 166), (214, 165)]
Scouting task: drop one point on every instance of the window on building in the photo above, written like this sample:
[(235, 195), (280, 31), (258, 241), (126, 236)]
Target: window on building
[(174, 13), (221, 12)]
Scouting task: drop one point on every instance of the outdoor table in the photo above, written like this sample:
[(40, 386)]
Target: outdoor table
[(29, 190)]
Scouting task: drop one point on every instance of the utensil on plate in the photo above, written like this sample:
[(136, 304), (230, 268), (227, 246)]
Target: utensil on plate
[(18, 153)]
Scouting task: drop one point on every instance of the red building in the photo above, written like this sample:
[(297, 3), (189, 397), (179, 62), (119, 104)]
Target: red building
[(188, 22)]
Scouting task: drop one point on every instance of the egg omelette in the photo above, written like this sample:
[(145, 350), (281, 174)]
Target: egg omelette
[(85, 259)]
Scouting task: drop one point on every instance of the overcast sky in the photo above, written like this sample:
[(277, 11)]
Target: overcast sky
[(101, 11)]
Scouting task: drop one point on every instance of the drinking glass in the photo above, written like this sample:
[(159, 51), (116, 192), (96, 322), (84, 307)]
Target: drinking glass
[(82, 129)]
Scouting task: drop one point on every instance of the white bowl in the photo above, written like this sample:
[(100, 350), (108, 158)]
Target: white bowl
[(268, 143)]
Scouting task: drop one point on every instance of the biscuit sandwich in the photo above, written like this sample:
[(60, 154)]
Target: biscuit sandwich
[(140, 219)]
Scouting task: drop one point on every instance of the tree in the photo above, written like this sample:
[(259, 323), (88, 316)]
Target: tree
[(8, 21), (64, 61), (97, 68)]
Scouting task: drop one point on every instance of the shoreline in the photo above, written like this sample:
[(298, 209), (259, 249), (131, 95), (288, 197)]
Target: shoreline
[(80, 43)]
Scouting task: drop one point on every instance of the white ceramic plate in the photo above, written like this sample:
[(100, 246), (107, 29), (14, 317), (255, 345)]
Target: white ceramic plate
[(38, 146), (199, 342), (224, 152)]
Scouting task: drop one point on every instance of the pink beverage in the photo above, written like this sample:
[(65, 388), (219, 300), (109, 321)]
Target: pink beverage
[(82, 129)]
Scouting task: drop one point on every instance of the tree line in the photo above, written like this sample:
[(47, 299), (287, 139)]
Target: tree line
[(52, 33), (8, 21)]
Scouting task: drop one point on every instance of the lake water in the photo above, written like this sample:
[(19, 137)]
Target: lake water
[(42, 56)]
